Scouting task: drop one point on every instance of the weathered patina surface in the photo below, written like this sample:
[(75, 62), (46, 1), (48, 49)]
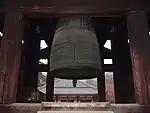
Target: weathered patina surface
[(75, 50)]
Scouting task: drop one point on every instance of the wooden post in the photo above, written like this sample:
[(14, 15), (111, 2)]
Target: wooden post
[(10, 56), (101, 87), (49, 88), (78, 97), (101, 79), (123, 76), (32, 61), (56, 98), (139, 46), (50, 83)]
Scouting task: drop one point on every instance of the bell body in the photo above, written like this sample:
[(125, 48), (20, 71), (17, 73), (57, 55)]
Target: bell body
[(75, 50)]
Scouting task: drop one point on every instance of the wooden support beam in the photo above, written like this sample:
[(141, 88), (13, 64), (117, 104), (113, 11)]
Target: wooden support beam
[(10, 56), (107, 54), (140, 54), (101, 87), (44, 53), (43, 67), (50, 81), (50, 88), (80, 7), (108, 67), (123, 77), (101, 79), (32, 54)]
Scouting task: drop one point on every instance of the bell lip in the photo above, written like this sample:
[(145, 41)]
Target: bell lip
[(76, 73), (81, 66)]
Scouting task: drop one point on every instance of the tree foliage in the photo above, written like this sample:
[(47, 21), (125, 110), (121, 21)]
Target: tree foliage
[(92, 82), (41, 79), (108, 79)]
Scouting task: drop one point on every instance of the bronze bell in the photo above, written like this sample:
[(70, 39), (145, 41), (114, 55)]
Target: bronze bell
[(75, 50)]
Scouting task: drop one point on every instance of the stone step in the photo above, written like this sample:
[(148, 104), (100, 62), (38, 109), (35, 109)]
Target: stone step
[(75, 105), (75, 112), (72, 106)]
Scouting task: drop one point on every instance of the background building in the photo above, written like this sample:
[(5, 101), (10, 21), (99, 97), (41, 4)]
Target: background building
[(65, 91)]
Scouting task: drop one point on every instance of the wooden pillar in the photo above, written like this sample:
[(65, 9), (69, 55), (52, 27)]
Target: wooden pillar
[(101, 87), (29, 62), (10, 56), (32, 59), (1, 29), (140, 54), (123, 77), (101, 79), (50, 88), (78, 97), (56, 98), (50, 83)]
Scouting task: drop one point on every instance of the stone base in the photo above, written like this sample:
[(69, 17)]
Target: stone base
[(34, 108), (76, 104), (69, 106), (75, 112)]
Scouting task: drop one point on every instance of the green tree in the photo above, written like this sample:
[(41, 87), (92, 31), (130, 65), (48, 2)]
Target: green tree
[(92, 82), (109, 78), (41, 79)]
